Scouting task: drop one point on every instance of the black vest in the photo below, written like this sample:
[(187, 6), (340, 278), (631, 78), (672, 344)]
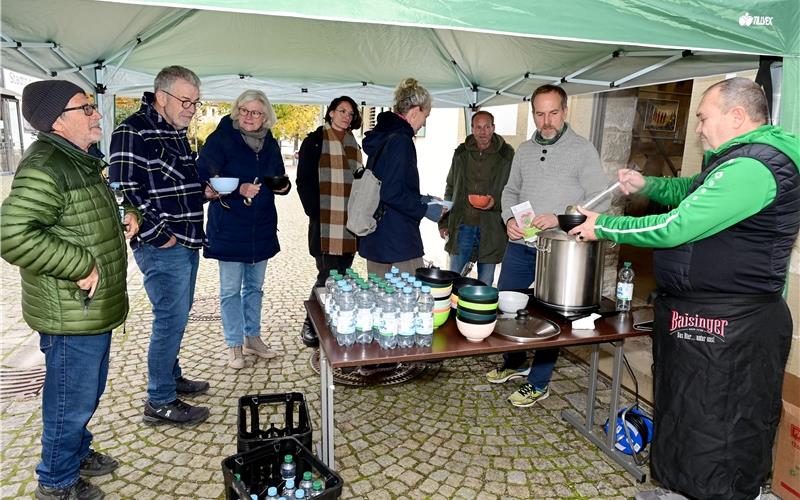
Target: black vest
[(750, 257)]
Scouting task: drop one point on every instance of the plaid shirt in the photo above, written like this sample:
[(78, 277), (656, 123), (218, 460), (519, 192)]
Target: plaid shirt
[(156, 170)]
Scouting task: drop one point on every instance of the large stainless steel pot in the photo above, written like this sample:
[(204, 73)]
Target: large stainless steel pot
[(569, 274)]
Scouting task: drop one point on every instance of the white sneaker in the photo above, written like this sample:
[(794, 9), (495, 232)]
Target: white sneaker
[(235, 358), (254, 345)]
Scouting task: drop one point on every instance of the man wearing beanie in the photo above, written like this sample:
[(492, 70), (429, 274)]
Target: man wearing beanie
[(152, 161), (61, 226)]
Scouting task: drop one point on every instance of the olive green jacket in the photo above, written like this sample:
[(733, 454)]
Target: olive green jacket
[(498, 156), (59, 221)]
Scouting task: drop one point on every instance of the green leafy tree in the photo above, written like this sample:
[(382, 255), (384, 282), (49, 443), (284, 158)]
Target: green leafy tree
[(295, 121)]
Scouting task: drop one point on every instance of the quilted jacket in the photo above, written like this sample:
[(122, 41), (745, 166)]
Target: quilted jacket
[(59, 220)]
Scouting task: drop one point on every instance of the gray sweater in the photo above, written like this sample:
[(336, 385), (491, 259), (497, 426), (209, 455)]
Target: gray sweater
[(552, 177)]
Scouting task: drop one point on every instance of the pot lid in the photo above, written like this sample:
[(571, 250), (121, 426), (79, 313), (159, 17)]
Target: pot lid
[(525, 328)]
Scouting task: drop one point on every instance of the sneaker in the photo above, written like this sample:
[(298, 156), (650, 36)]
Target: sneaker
[(235, 358), (191, 387), (97, 464), (80, 490), (176, 412), (254, 345), (308, 335), (498, 376), (527, 396), (659, 494)]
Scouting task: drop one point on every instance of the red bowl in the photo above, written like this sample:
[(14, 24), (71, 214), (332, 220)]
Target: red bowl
[(479, 200)]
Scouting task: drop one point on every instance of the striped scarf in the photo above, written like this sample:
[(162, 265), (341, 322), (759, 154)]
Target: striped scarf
[(338, 161)]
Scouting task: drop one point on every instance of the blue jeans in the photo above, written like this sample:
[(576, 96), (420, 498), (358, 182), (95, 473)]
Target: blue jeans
[(469, 238), (77, 370), (240, 293), (169, 278), (518, 272)]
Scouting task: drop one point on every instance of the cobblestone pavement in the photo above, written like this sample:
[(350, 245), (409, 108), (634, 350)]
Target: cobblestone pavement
[(447, 434)]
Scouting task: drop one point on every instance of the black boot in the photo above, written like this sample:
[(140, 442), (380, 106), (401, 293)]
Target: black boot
[(308, 335)]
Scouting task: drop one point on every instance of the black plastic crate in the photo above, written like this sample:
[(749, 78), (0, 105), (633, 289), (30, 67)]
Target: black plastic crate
[(255, 470), (265, 417)]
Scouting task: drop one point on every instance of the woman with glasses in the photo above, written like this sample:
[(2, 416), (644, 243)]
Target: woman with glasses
[(328, 157), (242, 226)]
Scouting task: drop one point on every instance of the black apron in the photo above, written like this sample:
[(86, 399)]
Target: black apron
[(718, 370)]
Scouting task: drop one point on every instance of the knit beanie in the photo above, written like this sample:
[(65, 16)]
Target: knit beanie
[(45, 100)]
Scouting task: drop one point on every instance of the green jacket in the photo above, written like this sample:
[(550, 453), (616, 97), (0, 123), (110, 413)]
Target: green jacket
[(59, 221), (498, 156), (736, 190)]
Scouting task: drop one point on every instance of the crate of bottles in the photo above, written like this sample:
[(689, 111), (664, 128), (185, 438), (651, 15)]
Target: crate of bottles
[(265, 417), (256, 471)]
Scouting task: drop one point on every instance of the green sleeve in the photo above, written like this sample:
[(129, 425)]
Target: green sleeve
[(667, 190), (33, 207), (731, 193)]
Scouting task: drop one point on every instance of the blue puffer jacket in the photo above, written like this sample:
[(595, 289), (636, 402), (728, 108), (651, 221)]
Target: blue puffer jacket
[(240, 233), (397, 236)]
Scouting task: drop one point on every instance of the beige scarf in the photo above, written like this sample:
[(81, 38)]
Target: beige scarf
[(337, 162)]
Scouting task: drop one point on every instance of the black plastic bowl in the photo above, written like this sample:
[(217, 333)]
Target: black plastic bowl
[(277, 182), (436, 275), (463, 281), (569, 221)]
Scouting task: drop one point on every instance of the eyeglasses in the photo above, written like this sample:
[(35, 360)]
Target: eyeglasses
[(185, 103), (346, 113), (88, 109), (254, 114)]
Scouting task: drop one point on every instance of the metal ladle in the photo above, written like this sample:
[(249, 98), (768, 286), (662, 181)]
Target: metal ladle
[(573, 209)]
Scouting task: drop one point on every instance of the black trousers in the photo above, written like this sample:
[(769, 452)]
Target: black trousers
[(326, 263)]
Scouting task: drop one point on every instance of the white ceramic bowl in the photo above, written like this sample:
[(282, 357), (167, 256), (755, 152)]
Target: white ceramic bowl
[(475, 333), (509, 302), (224, 185)]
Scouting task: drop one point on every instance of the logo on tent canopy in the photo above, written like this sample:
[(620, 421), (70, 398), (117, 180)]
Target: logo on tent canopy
[(747, 20)]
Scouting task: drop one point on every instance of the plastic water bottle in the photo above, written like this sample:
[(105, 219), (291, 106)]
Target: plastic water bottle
[(425, 305), (337, 297), (625, 287), (406, 328), (364, 304), (377, 311), (330, 284), (317, 489), (307, 482), (288, 490), (272, 493), (288, 468), (119, 197), (417, 287), (346, 321), (388, 335)]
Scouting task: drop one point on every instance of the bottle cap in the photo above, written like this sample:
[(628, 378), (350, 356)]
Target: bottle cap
[(307, 475), (299, 494), (272, 491), (290, 484), (426, 289), (407, 289), (317, 485), (288, 459)]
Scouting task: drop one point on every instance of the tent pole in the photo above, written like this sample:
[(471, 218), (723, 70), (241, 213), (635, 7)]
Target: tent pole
[(651, 68), (20, 48), (106, 106), (57, 51)]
